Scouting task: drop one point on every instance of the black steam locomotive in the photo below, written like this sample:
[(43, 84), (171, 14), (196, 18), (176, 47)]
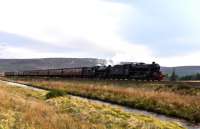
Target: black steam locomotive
[(137, 71)]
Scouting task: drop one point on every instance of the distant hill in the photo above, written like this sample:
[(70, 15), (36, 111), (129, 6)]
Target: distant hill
[(181, 70), (51, 63), (47, 63)]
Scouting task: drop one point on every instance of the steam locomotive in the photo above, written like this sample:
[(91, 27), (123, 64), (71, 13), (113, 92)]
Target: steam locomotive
[(137, 71)]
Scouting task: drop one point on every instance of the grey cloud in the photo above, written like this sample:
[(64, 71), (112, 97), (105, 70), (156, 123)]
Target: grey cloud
[(77, 46)]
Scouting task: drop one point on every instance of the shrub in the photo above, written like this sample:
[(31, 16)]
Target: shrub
[(55, 93)]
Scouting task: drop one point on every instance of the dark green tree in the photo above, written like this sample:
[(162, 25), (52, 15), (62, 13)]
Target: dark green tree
[(173, 76), (198, 76), (191, 77)]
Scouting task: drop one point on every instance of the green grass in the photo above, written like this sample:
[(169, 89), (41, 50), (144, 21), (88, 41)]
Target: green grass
[(55, 93)]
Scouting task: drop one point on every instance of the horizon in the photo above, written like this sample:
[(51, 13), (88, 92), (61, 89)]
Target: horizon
[(136, 31), (114, 63)]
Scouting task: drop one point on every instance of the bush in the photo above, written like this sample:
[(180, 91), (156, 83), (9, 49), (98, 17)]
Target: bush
[(55, 93)]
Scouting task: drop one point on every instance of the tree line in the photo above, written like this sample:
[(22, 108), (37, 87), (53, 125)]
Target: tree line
[(190, 77), (174, 76)]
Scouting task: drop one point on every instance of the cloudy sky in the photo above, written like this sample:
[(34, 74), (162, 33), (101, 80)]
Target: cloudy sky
[(165, 31)]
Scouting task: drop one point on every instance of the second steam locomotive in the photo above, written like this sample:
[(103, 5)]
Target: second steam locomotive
[(137, 71)]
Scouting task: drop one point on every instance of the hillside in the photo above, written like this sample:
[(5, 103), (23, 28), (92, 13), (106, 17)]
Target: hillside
[(46, 63), (181, 70)]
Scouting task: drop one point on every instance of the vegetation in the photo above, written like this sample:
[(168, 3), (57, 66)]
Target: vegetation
[(20, 110), (191, 77), (173, 77), (174, 99), (55, 93), (28, 109), (106, 115)]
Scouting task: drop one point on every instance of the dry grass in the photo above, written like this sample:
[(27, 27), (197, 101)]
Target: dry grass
[(178, 101), (111, 117), (26, 109), (18, 111)]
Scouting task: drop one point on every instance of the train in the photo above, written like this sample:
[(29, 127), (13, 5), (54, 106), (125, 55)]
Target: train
[(136, 71)]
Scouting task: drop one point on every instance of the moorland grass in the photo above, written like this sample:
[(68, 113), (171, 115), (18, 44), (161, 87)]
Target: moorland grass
[(28, 109), (22, 109), (111, 117), (176, 99)]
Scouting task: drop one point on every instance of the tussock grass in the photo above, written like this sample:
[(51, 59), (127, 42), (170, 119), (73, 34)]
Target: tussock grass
[(55, 93), (20, 111), (112, 118), (23, 109), (179, 100)]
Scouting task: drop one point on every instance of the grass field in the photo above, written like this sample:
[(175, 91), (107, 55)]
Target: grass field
[(27, 109), (173, 99)]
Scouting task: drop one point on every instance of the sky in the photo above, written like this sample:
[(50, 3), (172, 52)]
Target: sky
[(164, 31)]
